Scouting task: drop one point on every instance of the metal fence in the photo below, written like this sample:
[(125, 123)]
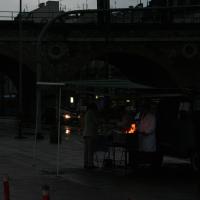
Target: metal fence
[(8, 15), (28, 16), (181, 14)]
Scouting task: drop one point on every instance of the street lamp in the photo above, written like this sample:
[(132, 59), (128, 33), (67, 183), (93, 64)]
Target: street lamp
[(86, 4), (19, 136), (115, 4), (38, 92)]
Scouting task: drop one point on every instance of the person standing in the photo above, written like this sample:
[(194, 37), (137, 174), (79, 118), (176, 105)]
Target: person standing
[(89, 134), (147, 130), (147, 137)]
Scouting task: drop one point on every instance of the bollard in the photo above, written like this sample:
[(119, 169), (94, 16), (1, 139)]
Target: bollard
[(6, 188), (45, 192)]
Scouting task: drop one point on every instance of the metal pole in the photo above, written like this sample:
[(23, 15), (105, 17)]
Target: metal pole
[(38, 66), (59, 134), (167, 3), (86, 4), (20, 74), (38, 78), (2, 93), (36, 128)]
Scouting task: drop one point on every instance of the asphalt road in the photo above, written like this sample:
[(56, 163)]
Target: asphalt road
[(175, 180)]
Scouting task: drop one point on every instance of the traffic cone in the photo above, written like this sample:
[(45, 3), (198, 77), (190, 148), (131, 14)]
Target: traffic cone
[(45, 192), (6, 188)]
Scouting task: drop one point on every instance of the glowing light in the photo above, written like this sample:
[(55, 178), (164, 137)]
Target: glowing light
[(67, 131), (128, 101), (132, 129), (71, 99), (67, 116)]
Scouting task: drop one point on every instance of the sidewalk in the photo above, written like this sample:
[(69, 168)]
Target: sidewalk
[(76, 183)]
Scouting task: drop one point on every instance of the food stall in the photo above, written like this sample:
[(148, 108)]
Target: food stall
[(117, 142), (115, 138)]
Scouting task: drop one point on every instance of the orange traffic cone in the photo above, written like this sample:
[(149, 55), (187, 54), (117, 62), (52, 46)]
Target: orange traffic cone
[(6, 188), (45, 192)]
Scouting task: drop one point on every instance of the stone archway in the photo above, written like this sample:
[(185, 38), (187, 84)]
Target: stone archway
[(140, 69), (9, 67)]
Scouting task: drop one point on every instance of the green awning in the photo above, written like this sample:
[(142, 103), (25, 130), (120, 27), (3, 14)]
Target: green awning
[(108, 83)]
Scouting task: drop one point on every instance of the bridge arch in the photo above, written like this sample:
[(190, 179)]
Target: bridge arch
[(10, 68), (140, 69)]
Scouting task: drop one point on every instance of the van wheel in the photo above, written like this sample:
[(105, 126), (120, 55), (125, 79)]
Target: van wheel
[(195, 161)]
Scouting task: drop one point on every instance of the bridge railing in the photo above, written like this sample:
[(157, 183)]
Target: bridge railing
[(182, 14), (8, 15), (38, 17)]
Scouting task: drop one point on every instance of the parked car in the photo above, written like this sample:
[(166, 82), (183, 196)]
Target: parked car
[(178, 129)]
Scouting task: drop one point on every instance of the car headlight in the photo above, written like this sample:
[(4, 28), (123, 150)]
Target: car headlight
[(67, 116), (67, 131)]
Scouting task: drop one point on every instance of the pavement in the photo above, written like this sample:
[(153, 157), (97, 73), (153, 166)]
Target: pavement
[(175, 181)]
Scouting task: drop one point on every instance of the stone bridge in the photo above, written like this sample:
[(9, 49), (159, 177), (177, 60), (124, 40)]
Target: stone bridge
[(158, 54)]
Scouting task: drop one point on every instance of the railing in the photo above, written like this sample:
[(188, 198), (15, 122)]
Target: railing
[(28, 16), (8, 15), (182, 14)]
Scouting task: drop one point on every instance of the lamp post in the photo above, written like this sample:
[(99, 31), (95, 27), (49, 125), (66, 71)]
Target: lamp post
[(86, 4), (19, 136), (167, 3), (38, 94), (115, 4)]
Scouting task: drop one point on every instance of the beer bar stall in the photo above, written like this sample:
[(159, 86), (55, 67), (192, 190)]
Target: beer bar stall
[(115, 143)]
